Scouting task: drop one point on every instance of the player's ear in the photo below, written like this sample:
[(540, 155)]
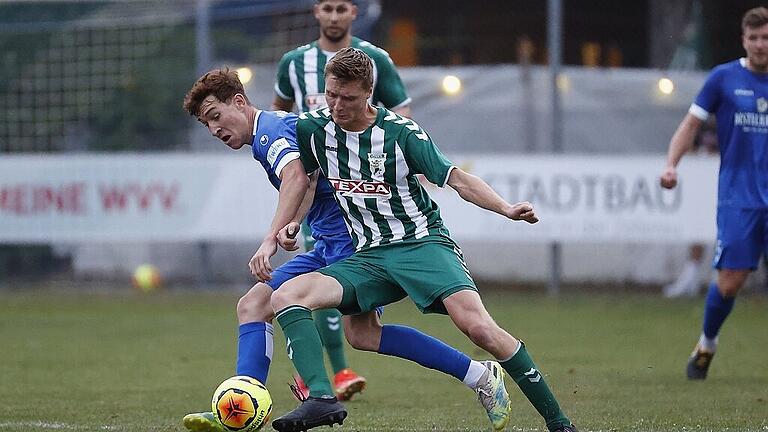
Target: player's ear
[(316, 10), (353, 10), (239, 100)]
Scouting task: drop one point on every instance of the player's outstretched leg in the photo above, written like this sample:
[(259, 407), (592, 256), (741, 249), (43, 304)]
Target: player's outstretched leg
[(202, 422), (306, 352), (470, 316), (493, 395)]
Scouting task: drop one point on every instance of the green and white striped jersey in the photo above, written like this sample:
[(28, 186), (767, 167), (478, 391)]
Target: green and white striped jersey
[(373, 173), (301, 76)]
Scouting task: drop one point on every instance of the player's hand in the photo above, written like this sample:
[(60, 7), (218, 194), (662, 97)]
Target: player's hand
[(287, 237), (522, 211), (259, 264), (668, 178)]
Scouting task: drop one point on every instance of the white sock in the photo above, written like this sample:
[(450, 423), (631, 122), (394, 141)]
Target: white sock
[(474, 373), (707, 344)]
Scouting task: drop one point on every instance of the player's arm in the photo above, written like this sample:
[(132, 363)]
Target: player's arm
[(281, 104), (681, 142), (286, 237), (293, 188), (475, 190)]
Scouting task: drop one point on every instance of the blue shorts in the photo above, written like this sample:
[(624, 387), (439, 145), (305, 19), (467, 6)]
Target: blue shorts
[(742, 237), (328, 250)]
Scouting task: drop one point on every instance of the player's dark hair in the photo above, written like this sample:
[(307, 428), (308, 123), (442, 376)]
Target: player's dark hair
[(754, 18), (351, 64), (222, 83)]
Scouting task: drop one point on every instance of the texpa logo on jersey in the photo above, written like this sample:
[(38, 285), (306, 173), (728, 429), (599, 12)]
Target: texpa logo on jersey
[(361, 188)]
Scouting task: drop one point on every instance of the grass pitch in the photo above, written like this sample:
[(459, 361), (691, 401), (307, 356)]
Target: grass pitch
[(74, 361)]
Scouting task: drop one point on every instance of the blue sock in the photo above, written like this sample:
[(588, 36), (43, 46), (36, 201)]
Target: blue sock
[(254, 350), (716, 310), (411, 344)]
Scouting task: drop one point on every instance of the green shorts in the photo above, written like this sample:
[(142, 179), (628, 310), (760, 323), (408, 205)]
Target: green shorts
[(427, 270)]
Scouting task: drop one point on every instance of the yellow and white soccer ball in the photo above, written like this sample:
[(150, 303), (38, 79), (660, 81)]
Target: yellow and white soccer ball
[(242, 404), (146, 278)]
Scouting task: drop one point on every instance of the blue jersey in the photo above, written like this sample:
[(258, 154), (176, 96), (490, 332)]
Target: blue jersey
[(274, 146), (739, 100)]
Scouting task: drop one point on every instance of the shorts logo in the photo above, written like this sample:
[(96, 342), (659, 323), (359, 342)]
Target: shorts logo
[(264, 140), (361, 188), (762, 105), (376, 162)]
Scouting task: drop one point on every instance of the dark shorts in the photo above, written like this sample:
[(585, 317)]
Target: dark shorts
[(427, 270), (327, 250)]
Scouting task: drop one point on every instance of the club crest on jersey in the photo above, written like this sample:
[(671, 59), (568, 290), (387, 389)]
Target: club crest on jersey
[(376, 162), (762, 105), (361, 188), (264, 140)]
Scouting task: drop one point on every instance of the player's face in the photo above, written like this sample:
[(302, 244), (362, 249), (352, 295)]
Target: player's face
[(348, 102), (335, 18), (227, 121), (755, 43)]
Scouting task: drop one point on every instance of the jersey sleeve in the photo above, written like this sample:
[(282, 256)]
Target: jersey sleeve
[(282, 151), (708, 100), (389, 87), (304, 128), (423, 157), (283, 86)]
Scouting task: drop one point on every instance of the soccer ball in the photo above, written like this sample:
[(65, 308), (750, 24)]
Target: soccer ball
[(146, 277), (242, 404)]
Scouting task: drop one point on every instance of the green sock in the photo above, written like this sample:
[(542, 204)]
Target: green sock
[(530, 380), (328, 322), (304, 349)]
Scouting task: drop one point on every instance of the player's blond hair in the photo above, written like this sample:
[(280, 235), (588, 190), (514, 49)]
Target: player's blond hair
[(754, 18), (351, 64), (221, 83)]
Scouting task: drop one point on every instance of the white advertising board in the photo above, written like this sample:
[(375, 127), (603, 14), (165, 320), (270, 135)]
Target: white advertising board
[(214, 197)]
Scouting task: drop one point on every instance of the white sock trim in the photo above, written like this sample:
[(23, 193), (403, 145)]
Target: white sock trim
[(707, 344), (519, 345), (474, 373)]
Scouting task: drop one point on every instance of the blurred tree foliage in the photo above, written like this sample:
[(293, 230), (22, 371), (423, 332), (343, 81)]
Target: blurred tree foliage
[(145, 113)]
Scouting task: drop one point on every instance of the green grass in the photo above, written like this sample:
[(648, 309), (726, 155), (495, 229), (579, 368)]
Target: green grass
[(128, 362)]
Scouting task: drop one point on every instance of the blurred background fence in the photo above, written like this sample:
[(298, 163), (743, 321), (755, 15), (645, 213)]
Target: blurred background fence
[(107, 78)]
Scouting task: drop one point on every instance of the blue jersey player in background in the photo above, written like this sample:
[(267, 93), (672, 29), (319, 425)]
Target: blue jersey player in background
[(737, 94), (219, 102)]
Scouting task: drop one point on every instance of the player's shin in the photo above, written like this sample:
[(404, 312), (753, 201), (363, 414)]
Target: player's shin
[(254, 350), (531, 382), (328, 322), (411, 344), (305, 349)]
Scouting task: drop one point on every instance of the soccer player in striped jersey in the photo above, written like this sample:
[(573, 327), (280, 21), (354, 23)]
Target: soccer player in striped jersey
[(300, 83), (371, 157), (737, 94), (219, 102)]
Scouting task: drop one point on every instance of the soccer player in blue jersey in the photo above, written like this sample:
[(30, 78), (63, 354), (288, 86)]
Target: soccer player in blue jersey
[(737, 94), (219, 102)]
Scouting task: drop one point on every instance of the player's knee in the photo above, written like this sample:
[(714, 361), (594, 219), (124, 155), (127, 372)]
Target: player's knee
[(287, 295), (254, 306), (729, 290)]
